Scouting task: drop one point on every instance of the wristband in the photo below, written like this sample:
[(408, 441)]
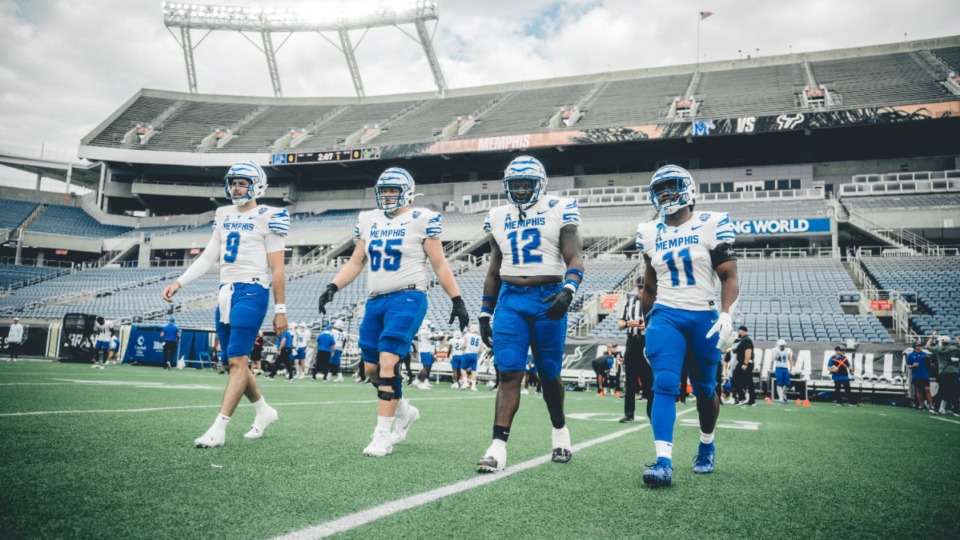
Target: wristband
[(575, 272), (486, 298), (484, 310), (571, 285), (280, 309)]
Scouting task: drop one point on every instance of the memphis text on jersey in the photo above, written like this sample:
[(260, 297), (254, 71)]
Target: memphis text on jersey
[(665, 245), (524, 223)]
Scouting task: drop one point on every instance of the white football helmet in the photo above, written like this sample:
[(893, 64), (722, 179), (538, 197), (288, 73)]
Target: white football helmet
[(250, 172), (474, 329), (338, 324), (671, 189), (302, 326), (395, 177), (781, 344), (524, 181), (457, 334)]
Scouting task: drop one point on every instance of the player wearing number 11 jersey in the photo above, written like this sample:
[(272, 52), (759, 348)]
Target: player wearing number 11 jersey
[(535, 269), (394, 243), (685, 252)]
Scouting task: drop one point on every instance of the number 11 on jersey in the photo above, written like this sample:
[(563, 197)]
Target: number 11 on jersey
[(683, 255)]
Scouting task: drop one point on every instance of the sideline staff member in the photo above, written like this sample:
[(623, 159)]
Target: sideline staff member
[(637, 368)]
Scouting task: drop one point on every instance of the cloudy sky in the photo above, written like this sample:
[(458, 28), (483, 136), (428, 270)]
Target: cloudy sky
[(65, 65)]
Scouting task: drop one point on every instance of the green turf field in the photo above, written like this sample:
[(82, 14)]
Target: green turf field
[(109, 454)]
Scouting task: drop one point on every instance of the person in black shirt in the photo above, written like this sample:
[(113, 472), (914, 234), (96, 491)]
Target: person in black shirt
[(743, 371), (256, 355), (639, 375)]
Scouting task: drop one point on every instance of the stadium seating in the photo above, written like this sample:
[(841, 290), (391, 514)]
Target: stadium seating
[(879, 80), (934, 279), (633, 101), (950, 55), (12, 274), (903, 202), (421, 124), (750, 91), (526, 111), (73, 221), (14, 212), (194, 121), (259, 135), (144, 110)]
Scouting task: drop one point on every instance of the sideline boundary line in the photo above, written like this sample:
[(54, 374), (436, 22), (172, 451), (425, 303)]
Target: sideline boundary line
[(363, 517)]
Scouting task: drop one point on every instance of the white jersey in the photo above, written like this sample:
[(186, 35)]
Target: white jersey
[(457, 346), (471, 343), (782, 359), (425, 342), (338, 336), (105, 331), (681, 258), (244, 239), (531, 247), (301, 339), (395, 256)]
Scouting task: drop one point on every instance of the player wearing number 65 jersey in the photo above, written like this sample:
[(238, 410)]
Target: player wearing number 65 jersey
[(247, 241), (685, 252), (535, 269), (394, 243)]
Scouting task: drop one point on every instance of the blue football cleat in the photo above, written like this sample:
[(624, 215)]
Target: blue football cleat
[(703, 462), (659, 474)]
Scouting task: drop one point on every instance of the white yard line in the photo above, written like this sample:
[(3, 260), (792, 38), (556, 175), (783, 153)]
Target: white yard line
[(182, 407), (942, 419), (370, 515)]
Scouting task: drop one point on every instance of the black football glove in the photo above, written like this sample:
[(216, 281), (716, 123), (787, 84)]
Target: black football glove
[(486, 333), (326, 297), (561, 303), (459, 312)]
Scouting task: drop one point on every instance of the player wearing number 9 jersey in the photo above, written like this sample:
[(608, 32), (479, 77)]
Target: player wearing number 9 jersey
[(393, 244), (247, 242), (685, 252), (535, 269)]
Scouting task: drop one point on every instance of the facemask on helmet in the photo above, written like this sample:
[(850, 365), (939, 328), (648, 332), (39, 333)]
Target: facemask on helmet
[(524, 181), (671, 189), (256, 182), (394, 190)]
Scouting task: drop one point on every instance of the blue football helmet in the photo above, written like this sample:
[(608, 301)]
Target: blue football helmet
[(395, 177), (678, 186), (250, 172), (524, 181)]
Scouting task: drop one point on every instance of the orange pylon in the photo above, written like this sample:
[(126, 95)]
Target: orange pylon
[(800, 402), (806, 403), (768, 400)]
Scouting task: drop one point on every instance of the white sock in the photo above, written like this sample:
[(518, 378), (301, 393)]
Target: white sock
[(402, 405), (385, 422), (664, 449), (706, 438), (260, 405), (221, 422), (497, 444)]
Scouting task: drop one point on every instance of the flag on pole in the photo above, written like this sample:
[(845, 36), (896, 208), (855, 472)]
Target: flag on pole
[(705, 14)]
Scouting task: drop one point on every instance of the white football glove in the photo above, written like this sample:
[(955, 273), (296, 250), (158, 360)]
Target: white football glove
[(724, 326)]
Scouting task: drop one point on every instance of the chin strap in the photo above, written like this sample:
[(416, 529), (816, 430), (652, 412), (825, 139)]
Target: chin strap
[(523, 214), (662, 224)]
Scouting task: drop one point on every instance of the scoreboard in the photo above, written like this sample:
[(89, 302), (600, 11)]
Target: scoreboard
[(294, 158)]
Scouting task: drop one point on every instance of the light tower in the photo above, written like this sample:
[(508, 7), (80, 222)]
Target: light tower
[(267, 21)]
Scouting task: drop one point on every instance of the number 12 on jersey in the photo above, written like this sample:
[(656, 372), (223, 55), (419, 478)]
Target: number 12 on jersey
[(532, 239), (683, 255)]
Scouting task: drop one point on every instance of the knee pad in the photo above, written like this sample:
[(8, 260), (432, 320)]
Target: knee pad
[(704, 390), (386, 396), (666, 383)]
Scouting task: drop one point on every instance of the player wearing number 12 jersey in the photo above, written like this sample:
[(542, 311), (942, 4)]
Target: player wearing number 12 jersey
[(535, 269), (248, 243), (685, 252), (394, 243)]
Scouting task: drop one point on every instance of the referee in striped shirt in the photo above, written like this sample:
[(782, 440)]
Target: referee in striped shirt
[(635, 362)]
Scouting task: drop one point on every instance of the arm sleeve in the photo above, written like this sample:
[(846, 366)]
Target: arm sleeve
[(725, 231), (279, 224), (435, 226), (571, 213), (273, 242), (210, 255), (639, 241), (486, 223), (356, 229)]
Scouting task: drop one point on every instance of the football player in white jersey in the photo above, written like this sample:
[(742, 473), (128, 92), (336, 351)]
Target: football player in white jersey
[(426, 348), (471, 355), (685, 252), (301, 338), (536, 267), (248, 244), (104, 329), (456, 359), (394, 244), (783, 365)]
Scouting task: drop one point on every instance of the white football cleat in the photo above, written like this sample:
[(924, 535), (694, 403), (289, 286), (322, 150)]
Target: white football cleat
[(473, 388), (402, 423), (261, 422), (380, 445), (424, 385), (339, 377), (494, 459), (562, 452), (211, 439)]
